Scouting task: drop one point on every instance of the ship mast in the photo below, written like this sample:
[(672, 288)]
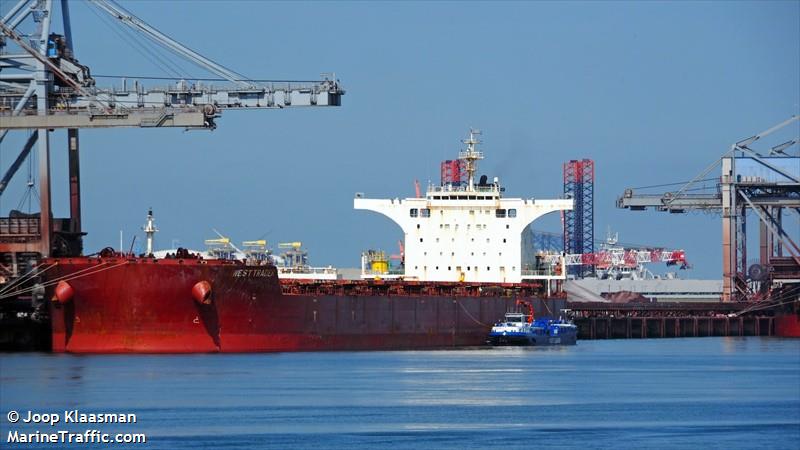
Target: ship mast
[(470, 157), (150, 229)]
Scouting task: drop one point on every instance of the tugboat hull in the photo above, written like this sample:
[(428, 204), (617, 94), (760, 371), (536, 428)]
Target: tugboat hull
[(521, 341)]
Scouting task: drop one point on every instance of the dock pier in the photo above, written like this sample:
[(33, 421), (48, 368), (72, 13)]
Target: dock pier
[(670, 327), (598, 320)]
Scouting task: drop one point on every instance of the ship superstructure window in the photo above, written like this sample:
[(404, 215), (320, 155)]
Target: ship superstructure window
[(512, 213), (413, 212), (499, 213), (425, 212)]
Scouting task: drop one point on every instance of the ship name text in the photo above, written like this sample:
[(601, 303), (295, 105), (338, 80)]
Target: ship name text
[(254, 273)]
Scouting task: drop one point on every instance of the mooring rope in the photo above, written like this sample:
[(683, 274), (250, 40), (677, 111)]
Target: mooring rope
[(79, 274), (24, 278), (765, 305), (471, 316), (547, 308)]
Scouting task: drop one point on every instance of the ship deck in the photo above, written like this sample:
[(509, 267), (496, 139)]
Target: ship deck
[(409, 288)]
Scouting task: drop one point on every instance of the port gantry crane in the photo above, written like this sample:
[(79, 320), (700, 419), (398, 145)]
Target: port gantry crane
[(767, 185), (43, 88)]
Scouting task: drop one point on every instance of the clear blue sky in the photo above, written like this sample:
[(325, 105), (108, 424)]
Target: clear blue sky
[(653, 91)]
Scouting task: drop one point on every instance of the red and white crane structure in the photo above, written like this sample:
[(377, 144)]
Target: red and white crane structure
[(616, 259)]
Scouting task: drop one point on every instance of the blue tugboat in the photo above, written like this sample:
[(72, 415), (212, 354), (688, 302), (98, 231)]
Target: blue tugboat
[(521, 329)]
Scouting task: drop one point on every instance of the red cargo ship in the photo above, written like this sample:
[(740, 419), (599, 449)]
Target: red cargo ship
[(117, 304), (234, 301)]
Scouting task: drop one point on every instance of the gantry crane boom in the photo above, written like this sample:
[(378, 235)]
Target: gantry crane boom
[(183, 104), (749, 181), (43, 87), (139, 25)]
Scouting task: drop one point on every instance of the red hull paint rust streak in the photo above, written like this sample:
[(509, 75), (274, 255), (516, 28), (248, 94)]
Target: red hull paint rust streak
[(146, 306)]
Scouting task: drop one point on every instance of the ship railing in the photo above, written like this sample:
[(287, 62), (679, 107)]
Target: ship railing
[(308, 270), (470, 154), (552, 272), (464, 188), (545, 271), (377, 273)]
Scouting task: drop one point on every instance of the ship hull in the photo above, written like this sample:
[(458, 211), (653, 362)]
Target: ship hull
[(788, 325), (146, 306), (526, 341), (531, 339)]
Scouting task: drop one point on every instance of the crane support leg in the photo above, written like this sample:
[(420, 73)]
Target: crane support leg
[(729, 229), (741, 242), (45, 217), (74, 181), (765, 244)]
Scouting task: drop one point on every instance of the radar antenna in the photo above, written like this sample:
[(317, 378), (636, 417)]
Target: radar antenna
[(471, 156)]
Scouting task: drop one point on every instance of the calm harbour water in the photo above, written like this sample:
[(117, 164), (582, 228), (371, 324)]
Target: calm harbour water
[(689, 393)]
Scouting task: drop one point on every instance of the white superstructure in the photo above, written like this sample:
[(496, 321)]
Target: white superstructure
[(464, 232)]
